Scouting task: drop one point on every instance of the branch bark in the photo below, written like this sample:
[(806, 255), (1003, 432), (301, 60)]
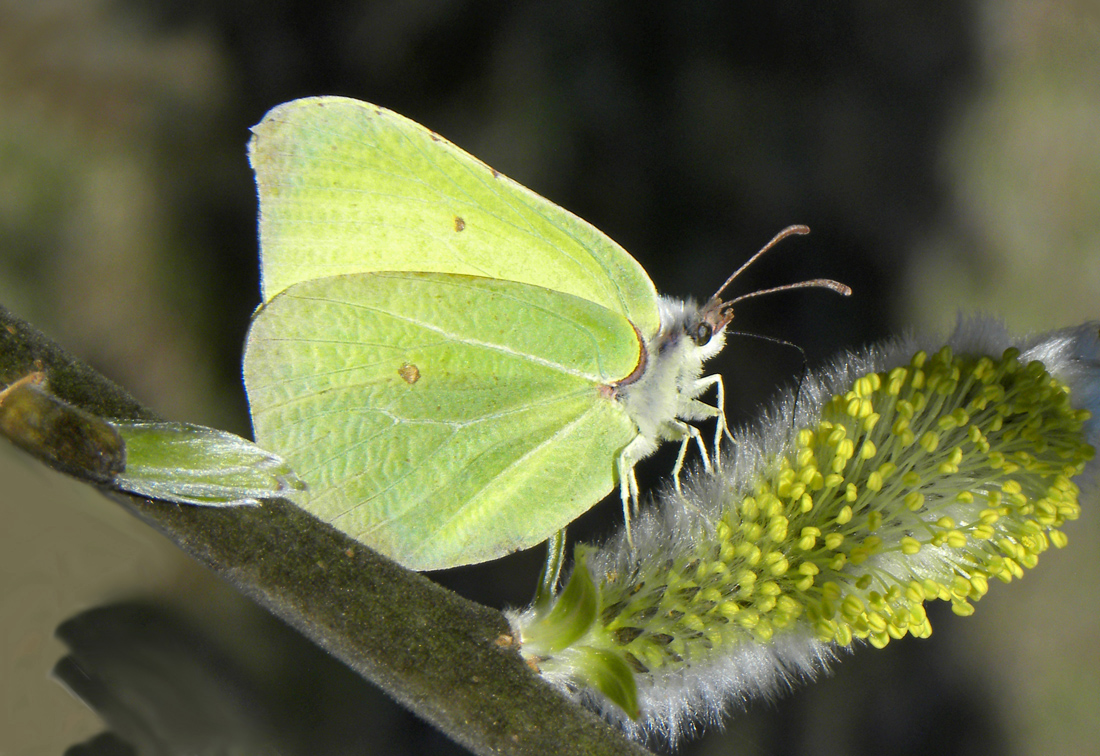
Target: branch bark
[(447, 659)]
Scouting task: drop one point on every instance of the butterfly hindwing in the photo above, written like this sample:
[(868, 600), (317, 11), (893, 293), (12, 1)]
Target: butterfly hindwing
[(440, 418)]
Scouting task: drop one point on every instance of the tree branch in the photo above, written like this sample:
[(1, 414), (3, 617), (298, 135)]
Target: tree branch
[(447, 659)]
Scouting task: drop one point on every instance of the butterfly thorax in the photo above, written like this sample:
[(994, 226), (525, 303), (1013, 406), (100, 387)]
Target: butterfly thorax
[(667, 388)]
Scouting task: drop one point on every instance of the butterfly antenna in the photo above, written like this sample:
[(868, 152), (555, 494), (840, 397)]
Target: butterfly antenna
[(822, 283), (788, 231), (783, 342), (817, 283)]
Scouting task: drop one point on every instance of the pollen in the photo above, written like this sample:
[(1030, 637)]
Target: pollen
[(966, 452), (924, 482)]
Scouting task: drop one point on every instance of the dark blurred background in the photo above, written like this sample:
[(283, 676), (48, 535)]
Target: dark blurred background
[(945, 156)]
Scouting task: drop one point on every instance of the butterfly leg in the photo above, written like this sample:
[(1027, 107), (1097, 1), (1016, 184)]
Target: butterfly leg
[(628, 490), (551, 571), (688, 433), (721, 427), (638, 449)]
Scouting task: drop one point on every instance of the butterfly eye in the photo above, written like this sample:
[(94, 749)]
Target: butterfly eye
[(701, 333)]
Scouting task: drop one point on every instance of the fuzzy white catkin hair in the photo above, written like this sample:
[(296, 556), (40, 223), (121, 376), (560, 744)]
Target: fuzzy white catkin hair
[(757, 574)]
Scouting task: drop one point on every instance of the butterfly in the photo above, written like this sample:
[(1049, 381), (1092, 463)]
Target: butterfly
[(457, 366)]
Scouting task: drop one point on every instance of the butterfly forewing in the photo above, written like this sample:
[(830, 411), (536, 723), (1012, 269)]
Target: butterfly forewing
[(348, 187)]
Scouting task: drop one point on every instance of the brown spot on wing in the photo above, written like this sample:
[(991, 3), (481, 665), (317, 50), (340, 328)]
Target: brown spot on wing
[(409, 373)]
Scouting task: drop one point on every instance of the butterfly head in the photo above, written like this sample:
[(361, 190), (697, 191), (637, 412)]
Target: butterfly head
[(709, 320)]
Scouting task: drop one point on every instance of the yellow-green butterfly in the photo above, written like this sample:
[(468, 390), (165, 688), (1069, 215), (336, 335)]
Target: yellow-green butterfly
[(456, 366)]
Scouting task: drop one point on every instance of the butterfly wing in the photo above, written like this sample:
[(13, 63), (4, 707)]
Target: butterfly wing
[(441, 419), (348, 187)]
